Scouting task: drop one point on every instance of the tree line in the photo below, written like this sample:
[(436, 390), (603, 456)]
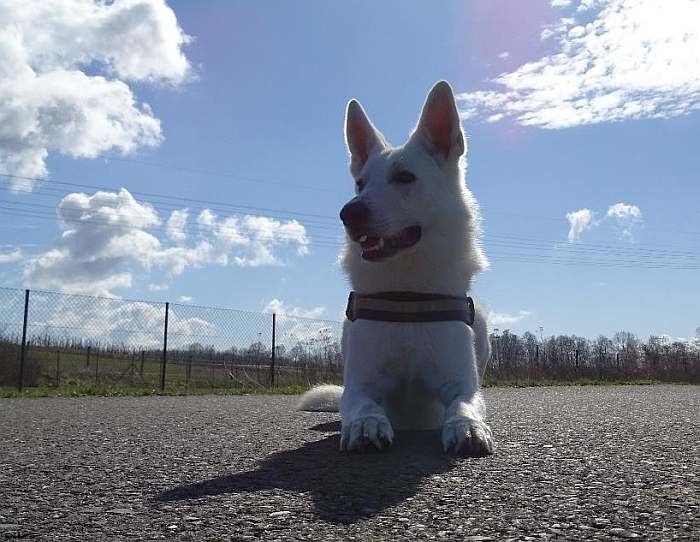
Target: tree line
[(620, 357)]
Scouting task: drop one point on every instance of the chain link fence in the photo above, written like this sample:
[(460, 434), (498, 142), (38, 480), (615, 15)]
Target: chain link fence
[(52, 339), (82, 340)]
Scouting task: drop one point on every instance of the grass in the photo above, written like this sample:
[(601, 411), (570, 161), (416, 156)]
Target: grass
[(87, 390)]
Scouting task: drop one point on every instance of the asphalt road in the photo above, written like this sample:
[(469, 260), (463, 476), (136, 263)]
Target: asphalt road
[(571, 463)]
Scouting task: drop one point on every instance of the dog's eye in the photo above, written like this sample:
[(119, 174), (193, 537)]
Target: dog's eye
[(360, 183), (403, 177)]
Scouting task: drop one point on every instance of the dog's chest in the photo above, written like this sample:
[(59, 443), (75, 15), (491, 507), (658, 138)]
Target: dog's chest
[(408, 349)]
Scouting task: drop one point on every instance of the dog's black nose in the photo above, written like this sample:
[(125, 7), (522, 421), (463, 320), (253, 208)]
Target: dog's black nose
[(355, 215)]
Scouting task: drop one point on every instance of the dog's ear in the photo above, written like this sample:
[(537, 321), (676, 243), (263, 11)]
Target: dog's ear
[(439, 127), (361, 137)]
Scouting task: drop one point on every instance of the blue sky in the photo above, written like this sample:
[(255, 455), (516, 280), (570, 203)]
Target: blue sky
[(251, 114)]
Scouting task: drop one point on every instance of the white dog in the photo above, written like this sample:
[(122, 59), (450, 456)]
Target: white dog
[(412, 337)]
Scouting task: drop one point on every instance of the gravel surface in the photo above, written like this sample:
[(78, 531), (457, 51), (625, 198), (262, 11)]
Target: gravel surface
[(571, 463)]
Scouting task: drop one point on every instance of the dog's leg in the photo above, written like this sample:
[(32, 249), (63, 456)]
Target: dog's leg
[(464, 431), (363, 422)]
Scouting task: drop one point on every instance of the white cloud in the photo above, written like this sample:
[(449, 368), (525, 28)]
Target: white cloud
[(579, 221), (616, 60), (175, 227), (11, 257), (301, 326), (206, 218), (628, 218), (65, 70), (495, 118), (132, 323), (105, 238), (103, 235), (158, 287), (278, 307), (504, 55), (504, 319), (185, 299), (624, 211)]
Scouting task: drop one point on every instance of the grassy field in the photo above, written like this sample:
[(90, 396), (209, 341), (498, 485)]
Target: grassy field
[(83, 372)]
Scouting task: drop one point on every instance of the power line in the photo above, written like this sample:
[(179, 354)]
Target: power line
[(568, 254), (498, 256), (210, 173), (336, 235), (169, 197)]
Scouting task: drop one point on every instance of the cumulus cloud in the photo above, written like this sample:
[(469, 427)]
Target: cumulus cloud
[(65, 71), (579, 221), (280, 308), (505, 319), (13, 256), (175, 227), (206, 218), (615, 60), (296, 326), (158, 286), (627, 219), (108, 235), (131, 323)]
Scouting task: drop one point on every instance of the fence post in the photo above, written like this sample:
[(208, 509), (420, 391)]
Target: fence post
[(58, 368), (24, 341), (165, 347), (272, 358), (87, 363), (97, 368), (143, 358)]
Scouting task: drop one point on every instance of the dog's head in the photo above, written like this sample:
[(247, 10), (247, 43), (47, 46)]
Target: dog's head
[(404, 193)]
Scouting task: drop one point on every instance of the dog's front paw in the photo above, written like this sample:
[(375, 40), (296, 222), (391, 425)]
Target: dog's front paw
[(372, 429), (467, 437)]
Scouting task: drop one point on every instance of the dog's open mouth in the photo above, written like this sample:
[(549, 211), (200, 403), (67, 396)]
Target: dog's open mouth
[(375, 248)]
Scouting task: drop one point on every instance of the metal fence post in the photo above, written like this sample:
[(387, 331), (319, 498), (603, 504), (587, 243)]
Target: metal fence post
[(58, 368), (24, 341), (272, 358), (165, 347)]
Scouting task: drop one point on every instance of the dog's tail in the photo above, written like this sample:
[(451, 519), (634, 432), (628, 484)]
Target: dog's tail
[(324, 398), (482, 345)]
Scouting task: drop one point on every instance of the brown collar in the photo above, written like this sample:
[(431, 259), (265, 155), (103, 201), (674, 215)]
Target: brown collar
[(410, 307)]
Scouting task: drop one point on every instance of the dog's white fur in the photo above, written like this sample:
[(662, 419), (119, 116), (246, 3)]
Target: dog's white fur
[(413, 375)]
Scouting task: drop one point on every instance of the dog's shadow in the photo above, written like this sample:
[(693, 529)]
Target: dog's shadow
[(344, 487)]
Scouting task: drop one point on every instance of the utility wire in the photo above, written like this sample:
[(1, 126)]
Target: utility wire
[(570, 254), (495, 256)]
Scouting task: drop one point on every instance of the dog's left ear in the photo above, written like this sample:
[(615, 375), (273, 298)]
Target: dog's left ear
[(439, 127)]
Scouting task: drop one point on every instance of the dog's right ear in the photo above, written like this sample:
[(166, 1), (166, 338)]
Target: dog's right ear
[(361, 137)]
